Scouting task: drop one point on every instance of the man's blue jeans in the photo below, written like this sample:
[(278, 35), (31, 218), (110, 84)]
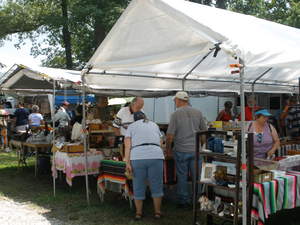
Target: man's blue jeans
[(185, 165)]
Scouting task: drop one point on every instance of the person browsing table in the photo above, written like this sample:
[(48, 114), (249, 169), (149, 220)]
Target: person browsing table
[(21, 115), (144, 159), (125, 116), (35, 118), (184, 122), (266, 140), (62, 116)]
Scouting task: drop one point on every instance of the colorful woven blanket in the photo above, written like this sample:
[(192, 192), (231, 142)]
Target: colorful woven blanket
[(270, 197)]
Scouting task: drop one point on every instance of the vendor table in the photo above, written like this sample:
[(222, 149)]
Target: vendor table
[(289, 162), (269, 197), (112, 177), (36, 148), (73, 164), (18, 146)]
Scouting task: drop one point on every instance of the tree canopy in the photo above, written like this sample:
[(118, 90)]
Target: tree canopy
[(73, 29)]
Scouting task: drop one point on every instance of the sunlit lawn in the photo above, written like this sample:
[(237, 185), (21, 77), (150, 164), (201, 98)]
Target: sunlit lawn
[(70, 205)]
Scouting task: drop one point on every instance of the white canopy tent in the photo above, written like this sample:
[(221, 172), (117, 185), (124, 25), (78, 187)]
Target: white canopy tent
[(25, 80), (156, 43), (22, 79), (164, 45)]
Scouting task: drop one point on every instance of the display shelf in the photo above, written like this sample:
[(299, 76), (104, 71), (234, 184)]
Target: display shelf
[(226, 218), (101, 132), (218, 186), (211, 188), (219, 156)]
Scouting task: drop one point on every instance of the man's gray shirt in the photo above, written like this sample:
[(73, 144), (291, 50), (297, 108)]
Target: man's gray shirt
[(183, 125)]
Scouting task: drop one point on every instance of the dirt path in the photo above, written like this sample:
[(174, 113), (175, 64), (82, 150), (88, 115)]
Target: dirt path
[(15, 213)]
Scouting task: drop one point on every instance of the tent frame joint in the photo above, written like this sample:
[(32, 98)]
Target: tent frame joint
[(215, 49)]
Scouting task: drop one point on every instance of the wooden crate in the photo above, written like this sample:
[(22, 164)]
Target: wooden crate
[(72, 148)]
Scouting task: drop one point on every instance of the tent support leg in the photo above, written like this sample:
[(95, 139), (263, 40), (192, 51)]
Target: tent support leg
[(85, 137), (298, 88), (53, 140), (243, 144)]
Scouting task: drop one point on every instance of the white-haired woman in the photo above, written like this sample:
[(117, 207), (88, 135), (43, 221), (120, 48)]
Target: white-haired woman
[(35, 118)]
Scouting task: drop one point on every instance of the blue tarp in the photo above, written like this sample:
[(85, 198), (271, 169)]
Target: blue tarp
[(73, 99)]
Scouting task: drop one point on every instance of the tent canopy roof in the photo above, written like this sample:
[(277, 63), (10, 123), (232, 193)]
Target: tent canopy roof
[(39, 79), (156, 43)]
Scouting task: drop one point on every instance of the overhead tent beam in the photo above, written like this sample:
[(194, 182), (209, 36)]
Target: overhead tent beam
[(198, 63), (105, 73)]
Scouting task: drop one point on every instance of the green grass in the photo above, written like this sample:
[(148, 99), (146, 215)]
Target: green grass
[(70, 205)]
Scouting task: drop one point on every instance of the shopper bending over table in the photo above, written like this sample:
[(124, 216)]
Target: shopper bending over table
[(266, 141), (144, 159)]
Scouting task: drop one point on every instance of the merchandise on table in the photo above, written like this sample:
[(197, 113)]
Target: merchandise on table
[(113, 177), (289, 148), (73, 164)]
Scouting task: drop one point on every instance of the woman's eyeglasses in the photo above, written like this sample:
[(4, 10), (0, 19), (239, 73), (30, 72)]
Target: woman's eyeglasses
[(259, 137)]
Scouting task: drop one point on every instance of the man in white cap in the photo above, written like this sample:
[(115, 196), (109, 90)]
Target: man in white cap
[(184, 122)]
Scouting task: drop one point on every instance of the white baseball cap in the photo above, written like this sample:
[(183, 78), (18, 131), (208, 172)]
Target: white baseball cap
[(182, 95)]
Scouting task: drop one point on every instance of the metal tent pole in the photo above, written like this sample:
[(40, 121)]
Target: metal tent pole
[(298, 88), (85, 136), (53, 139), (215, 49), (218, 106), (154, 109), (252, 86), (243, 144)]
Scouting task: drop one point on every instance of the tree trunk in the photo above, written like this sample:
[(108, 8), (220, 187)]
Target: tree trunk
[(221, 4), (207, 2), (99, 32), (197, 1), (66, 34)]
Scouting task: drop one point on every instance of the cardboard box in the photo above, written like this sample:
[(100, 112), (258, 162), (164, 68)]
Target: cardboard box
[(217, 124), (95, 126), (261, 176), (72, 148)]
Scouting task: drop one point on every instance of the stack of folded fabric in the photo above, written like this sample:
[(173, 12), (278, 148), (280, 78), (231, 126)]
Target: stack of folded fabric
[(270, 197), (112, 178)]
